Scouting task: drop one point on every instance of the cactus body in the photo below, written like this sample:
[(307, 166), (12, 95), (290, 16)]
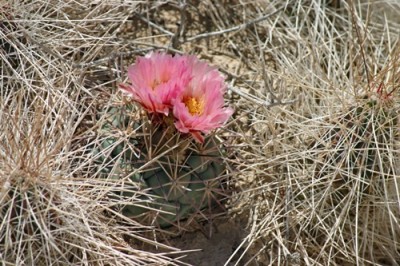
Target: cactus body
[(174, 176)]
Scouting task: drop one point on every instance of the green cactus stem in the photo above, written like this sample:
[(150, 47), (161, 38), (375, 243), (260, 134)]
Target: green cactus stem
[(174, 176)]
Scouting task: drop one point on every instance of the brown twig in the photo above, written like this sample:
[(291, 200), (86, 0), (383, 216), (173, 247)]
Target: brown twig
[(154, 25), (236, 28), (180, 32)]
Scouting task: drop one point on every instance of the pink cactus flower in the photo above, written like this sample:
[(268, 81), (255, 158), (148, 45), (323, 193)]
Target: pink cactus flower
[(156, 80), (199, 108)]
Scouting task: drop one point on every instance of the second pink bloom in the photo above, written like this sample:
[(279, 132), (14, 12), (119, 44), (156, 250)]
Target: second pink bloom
[(199, 108)]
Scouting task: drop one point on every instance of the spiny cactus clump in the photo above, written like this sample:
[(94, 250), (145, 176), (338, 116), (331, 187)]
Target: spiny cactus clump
[(357, 148), (23, 196), (170, 169), (355, 179)]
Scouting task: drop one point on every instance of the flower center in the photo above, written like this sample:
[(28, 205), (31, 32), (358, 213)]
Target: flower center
[(195, 106)]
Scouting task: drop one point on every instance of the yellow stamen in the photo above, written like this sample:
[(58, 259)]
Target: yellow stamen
[(195, 106)]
